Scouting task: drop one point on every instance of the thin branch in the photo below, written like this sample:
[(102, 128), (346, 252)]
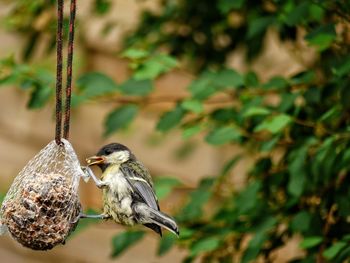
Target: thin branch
[(304, 123), (329, 222), (163, 99)]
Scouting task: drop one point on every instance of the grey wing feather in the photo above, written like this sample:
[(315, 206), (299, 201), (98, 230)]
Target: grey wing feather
[(147, 193), (140, 183)]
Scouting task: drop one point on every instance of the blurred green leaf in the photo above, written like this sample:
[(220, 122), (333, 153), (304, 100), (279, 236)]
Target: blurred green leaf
[(297, 171), (166, 243), (133, 53), (343, 255), (39, 97), (254, 247), (306, 77), (256, 243), (205, 245), (265, 224), (227, 5), (94, 84), (8, 80), (267, 146), (136, 87), (36, 79), (170, 119), (259, 25), (120, 118), (301, 222), (324, 159), (201, 89), (124, 240), (288, 101), (230, 164), (164, 186), (102, 6), (346, 237), (256, 111), (190, 131), (227, 78), (184, 150), (274, 124), (8, 61), (345, 93), (332, 113), (298, 14), (334, 250), (312, 95), (192, 105), (186, 233), (44, 77), (155, 66), (251, 79), (276, 83), (343, 68), (224, 115), (316, 11), (310, 242), (248, 197), (346, 158), (322, 37), (197, 199), (222, 135), (215, 81)]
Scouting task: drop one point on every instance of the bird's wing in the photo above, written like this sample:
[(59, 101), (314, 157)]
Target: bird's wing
[(140, 181)]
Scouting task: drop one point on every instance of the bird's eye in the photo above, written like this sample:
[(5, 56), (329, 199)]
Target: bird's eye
[(108, 151)]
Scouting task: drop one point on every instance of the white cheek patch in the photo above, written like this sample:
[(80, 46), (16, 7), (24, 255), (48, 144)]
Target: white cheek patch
[(118, 157)]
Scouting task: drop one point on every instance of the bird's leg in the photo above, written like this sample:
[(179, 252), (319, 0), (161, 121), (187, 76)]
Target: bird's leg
[(81, 215), (89, 172), (101, 216)]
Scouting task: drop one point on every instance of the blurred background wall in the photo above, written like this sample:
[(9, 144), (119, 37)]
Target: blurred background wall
[(23, 133)]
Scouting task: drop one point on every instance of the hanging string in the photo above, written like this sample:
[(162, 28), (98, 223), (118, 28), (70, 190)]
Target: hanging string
[(68, 91), (59, 40), (69, 69)]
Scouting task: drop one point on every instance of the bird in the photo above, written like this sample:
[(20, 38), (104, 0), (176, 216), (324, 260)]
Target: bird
[(128, 194)]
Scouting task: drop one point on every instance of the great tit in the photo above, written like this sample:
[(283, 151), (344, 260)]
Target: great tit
[(128, 194)]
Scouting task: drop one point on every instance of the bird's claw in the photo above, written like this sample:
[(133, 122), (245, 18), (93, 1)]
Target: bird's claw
[(88, 172)]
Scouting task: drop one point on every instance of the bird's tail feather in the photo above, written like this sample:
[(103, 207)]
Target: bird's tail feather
[(150, 215)]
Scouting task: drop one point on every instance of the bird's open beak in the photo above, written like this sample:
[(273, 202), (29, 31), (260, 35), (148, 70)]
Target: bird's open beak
[(95, 160)]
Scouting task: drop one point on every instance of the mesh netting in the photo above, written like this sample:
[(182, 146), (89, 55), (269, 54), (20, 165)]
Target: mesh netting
[(42, 205)]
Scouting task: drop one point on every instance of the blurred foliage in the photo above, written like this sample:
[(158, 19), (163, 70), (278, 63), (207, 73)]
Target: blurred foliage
[(38, 81), (303, 193), (33, 19), (205, 32), (125, 240)]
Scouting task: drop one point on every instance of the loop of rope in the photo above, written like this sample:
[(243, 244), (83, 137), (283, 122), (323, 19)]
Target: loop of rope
[(68, 90), (59, 40), (69, 69)]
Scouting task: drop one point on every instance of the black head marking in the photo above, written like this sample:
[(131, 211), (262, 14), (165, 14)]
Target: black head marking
[(111, 148)]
